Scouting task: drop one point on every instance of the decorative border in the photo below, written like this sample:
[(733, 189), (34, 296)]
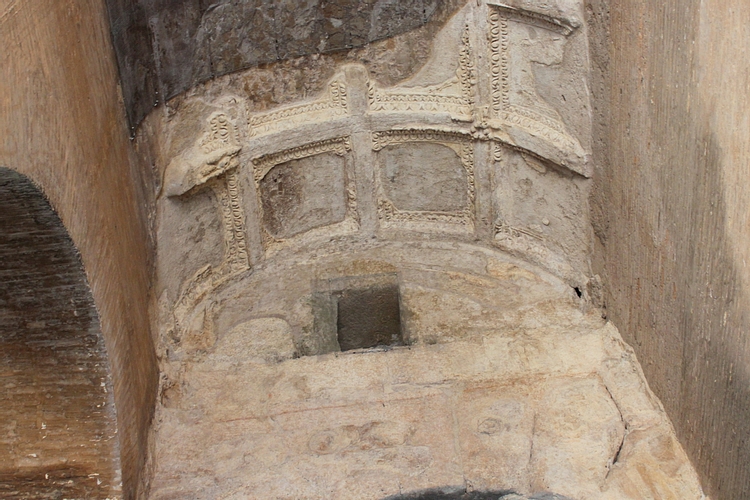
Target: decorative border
[(235, 261), (387, 211), (339, 146), (544, 21), (523, 242), (221, 134), (499, 74), (466, 72), (334, 103), (235, 251), (385, 138), (433, 99), (526, 118), (504, 230), (263, 164), (212, 155)]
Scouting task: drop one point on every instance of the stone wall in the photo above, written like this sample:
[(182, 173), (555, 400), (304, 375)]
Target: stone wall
[(166, 48), (671, 212), (62, 124), (375, 281)]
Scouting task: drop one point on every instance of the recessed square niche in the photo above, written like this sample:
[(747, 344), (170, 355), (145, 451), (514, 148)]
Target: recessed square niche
[(425, 180), (302, 194), (357, 312), (424, 177)]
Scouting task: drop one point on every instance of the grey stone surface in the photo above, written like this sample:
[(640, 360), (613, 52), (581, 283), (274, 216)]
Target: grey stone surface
[(369, 317), (165, 47), (192, 239)]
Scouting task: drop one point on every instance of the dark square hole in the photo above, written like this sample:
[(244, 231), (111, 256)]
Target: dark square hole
[(369, 317), (355, 312)]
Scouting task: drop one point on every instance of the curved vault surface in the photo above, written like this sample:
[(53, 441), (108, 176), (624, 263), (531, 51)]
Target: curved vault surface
[(460, 196), (59, 432)]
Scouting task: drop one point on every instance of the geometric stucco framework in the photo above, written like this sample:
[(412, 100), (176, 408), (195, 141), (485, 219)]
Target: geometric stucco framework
[(476, 116), (465, 187)]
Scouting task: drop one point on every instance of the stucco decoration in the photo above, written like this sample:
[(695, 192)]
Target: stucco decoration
[(212, 155), (332, 104), (307, 189), (519, 39), (348, 162), (425, 176), (455, 96), (402, 301)]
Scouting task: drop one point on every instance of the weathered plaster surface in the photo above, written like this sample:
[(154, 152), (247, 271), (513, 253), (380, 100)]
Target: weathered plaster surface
[(505, 385), (671, 208), (467, 182)]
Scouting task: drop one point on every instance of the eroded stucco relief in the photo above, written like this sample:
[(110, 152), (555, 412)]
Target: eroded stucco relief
[(455, 105), (425, 176), (456, 199), (306, 188)]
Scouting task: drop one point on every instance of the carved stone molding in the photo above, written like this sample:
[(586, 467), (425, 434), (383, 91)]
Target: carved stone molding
[(385, 138), (194, 298), (508, 116), (454, 97), (333, 104), (212, 155), (235, 253), (503, 230), (539, 19), (462, 144), (522, 241), (499, 61), (337, 145)]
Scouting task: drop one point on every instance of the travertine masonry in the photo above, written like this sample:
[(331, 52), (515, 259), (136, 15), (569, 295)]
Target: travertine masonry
[(504, 384)]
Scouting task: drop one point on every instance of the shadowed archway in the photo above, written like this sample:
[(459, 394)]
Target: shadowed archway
[(58, 434)]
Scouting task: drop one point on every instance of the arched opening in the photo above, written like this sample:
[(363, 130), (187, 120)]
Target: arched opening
[(58, 434)]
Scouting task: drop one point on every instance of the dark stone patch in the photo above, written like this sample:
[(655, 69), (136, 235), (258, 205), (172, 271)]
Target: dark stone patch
[(462, 494), (355, 312), (369, 317), (165, 47)]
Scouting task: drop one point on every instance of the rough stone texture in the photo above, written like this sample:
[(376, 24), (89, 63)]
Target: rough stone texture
[(58, 433), (518, 389), (505, 85), (671, 214), (62, 124), (303, 194), (467, 184), (369, 317), (165, 48)]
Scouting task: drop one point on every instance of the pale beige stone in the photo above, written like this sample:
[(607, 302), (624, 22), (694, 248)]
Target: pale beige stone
[(464, 188)]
